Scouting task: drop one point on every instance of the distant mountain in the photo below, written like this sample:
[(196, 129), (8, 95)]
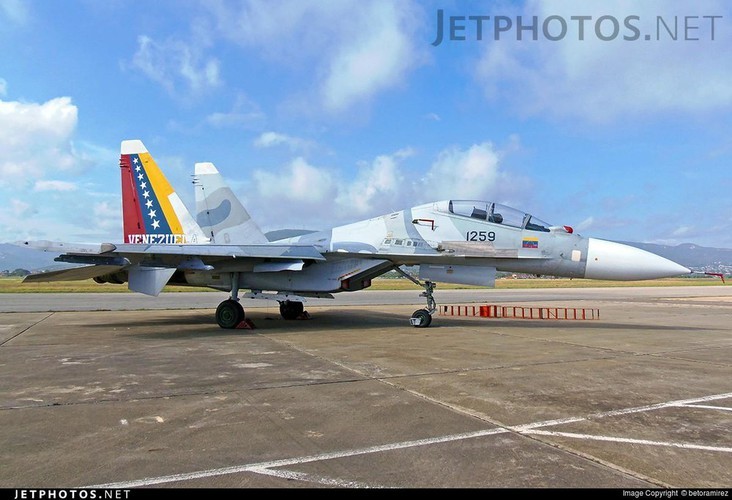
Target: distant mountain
[(692, 256), (13, 257)]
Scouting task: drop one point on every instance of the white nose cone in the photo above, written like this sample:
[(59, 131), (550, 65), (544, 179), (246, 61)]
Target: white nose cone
[(607, 260)]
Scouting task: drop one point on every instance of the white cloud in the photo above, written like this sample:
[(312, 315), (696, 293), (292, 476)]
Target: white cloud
[(353, 50), (604, 81), (299, 182), (232, 119), (473, 173), (377, 185), (586, 225), (304, 195), (273, 139), (269, 139), (54, 186), (20, 208), (14, 10), (62, 215), (405, 153), (378, 57), (682, 231), (37, 152), (244, 112), (107, 216), (174, 64), (36, 138)]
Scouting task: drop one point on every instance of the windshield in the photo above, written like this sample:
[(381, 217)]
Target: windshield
[(498, 214)]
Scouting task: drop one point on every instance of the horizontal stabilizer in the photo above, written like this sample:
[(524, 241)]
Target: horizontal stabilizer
[(234, 251), (149, 280), (73, 274)]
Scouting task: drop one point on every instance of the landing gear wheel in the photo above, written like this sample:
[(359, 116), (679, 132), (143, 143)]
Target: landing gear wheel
[(229, 314), (291, 309), (421, 318)]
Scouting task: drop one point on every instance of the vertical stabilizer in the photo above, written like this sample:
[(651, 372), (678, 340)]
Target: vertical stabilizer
[(220, 213), (152, 211)]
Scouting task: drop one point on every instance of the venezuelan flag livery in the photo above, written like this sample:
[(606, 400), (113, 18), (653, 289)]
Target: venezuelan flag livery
[(153, 213), (530, 243)]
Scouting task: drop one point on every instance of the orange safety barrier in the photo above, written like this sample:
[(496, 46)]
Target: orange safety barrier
[(519, 312)]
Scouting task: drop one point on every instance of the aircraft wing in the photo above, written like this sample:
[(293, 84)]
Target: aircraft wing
[(72, 274), (109, 253), (270, 251), (150, 266)]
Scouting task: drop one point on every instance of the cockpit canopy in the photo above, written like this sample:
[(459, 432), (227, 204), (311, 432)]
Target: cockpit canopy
[(496, 213)]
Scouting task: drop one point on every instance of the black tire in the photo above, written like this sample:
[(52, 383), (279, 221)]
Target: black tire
[(229, 314), (291, 309), (425, 318)]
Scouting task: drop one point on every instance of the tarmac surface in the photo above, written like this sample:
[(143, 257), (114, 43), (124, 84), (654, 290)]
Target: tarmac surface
[(108, 395)]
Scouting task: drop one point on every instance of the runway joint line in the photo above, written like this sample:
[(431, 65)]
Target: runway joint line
[(526, 429)]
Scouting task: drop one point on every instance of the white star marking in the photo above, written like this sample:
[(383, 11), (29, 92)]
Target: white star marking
[(146, 194), (149, 203), (140, 177), (152, 214), (155, 224), (143, 185)]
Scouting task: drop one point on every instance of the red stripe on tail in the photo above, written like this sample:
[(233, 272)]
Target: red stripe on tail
[(131, 212)]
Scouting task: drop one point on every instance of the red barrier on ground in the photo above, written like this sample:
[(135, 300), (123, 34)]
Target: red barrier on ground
[(520, 312)]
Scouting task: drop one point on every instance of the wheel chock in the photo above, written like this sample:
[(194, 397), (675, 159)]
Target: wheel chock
[(304, 315), (246, 324)]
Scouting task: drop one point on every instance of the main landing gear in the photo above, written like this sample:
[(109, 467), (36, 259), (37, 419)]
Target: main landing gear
[(230, 313), (422, 318), (291, 309)]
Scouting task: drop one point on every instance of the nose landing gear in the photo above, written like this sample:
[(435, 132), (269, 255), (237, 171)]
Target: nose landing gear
[(422, 318)]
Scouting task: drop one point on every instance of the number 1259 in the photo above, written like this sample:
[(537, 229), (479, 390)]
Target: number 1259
[(480, 236)]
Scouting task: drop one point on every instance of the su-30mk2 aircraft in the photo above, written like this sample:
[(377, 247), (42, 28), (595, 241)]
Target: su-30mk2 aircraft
[(452, 241)]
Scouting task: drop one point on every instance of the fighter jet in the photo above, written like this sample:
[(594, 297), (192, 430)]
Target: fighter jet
[(449, 241)]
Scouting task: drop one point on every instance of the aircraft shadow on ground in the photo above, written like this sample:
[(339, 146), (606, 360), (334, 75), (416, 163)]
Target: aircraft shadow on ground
[(344, 319), (269, 323)]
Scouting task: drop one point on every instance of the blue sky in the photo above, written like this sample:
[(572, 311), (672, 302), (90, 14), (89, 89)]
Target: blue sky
[(319, 113)]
